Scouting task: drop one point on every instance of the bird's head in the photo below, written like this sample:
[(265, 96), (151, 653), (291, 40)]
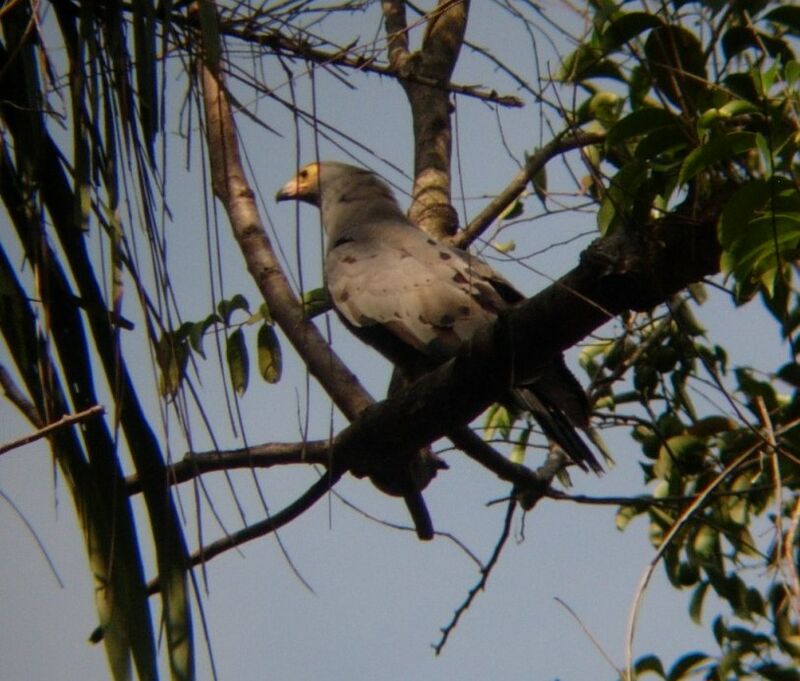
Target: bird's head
[(350, 198), (305, 186)]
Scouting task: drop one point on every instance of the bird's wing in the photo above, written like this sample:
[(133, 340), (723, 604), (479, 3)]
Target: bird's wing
[(430, 296)]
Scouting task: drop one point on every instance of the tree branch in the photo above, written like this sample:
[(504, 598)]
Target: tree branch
[(258, 456), (431, 208), (231, 186), (564, 142), (65, 421), (283, 517), (636, 269)]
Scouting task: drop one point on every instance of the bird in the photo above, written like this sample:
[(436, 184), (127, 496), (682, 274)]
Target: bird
[(416, 300)]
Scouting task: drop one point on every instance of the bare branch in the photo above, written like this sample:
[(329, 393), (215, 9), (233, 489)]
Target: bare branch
[(65, 421), (195, 464), (305, 501), (430, 108), (561, 144), (481, 585)]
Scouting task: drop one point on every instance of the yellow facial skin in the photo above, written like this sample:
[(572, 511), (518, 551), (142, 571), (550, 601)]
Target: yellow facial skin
[(302, 187)]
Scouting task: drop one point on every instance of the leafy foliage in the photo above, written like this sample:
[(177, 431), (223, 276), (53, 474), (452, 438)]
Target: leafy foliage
[(706, 119)]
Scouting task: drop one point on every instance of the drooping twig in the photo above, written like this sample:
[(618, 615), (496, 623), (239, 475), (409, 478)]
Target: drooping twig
[(481, 585), (264, 527), (589, 634)]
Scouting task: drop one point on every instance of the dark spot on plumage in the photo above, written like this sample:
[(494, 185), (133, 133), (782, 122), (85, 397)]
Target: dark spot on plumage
[(349, 259), (460, 278), (447, 320), (404, 253), (341, 241), (432, 242), (444, 255), (345, 296), (464, 310)]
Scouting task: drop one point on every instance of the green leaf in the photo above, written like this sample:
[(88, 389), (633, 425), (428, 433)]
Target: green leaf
[(685, 450), (520, 446), (605, 107), (788, 15), (315, 302), (675, 58), (616, 204), (696, 603), (587, 62), (498, 422), (772, 671), (738, 107), (513, 210), (172, 354), (198, 331), (686, 664), (638, 123), (226, 308), (719, 148), (649, 664), (626, 27), (624, 516), (739, 210), (269, 354), (706, 543), (769, 241), (791, 73), (504, 246), (238, 364)]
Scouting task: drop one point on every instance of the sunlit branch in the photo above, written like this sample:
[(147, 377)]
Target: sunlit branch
[(563, 143)]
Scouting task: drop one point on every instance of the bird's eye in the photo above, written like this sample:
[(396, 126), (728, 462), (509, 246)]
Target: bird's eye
[(303, 174)]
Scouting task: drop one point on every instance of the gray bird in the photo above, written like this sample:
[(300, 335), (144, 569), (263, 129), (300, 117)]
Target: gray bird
[(416, 300)]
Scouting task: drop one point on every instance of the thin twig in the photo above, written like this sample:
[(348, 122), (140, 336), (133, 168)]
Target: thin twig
[(481, 585), (63, 422), (589, 634), (195, 464), (277, 520), (33, 534)]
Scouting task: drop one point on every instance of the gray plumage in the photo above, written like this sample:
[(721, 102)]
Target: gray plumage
[(417, 300)]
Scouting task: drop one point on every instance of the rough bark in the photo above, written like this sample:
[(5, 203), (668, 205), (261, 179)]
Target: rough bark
[(431, 207)]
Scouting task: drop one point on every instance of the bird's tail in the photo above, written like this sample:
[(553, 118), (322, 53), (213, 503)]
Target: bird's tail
[(557, 427)]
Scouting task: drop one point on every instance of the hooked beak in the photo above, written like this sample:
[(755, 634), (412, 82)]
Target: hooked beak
[(289, 191), (303, 187)]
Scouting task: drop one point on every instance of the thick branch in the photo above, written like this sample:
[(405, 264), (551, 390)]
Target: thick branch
[(630, 270), (431, 208)]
